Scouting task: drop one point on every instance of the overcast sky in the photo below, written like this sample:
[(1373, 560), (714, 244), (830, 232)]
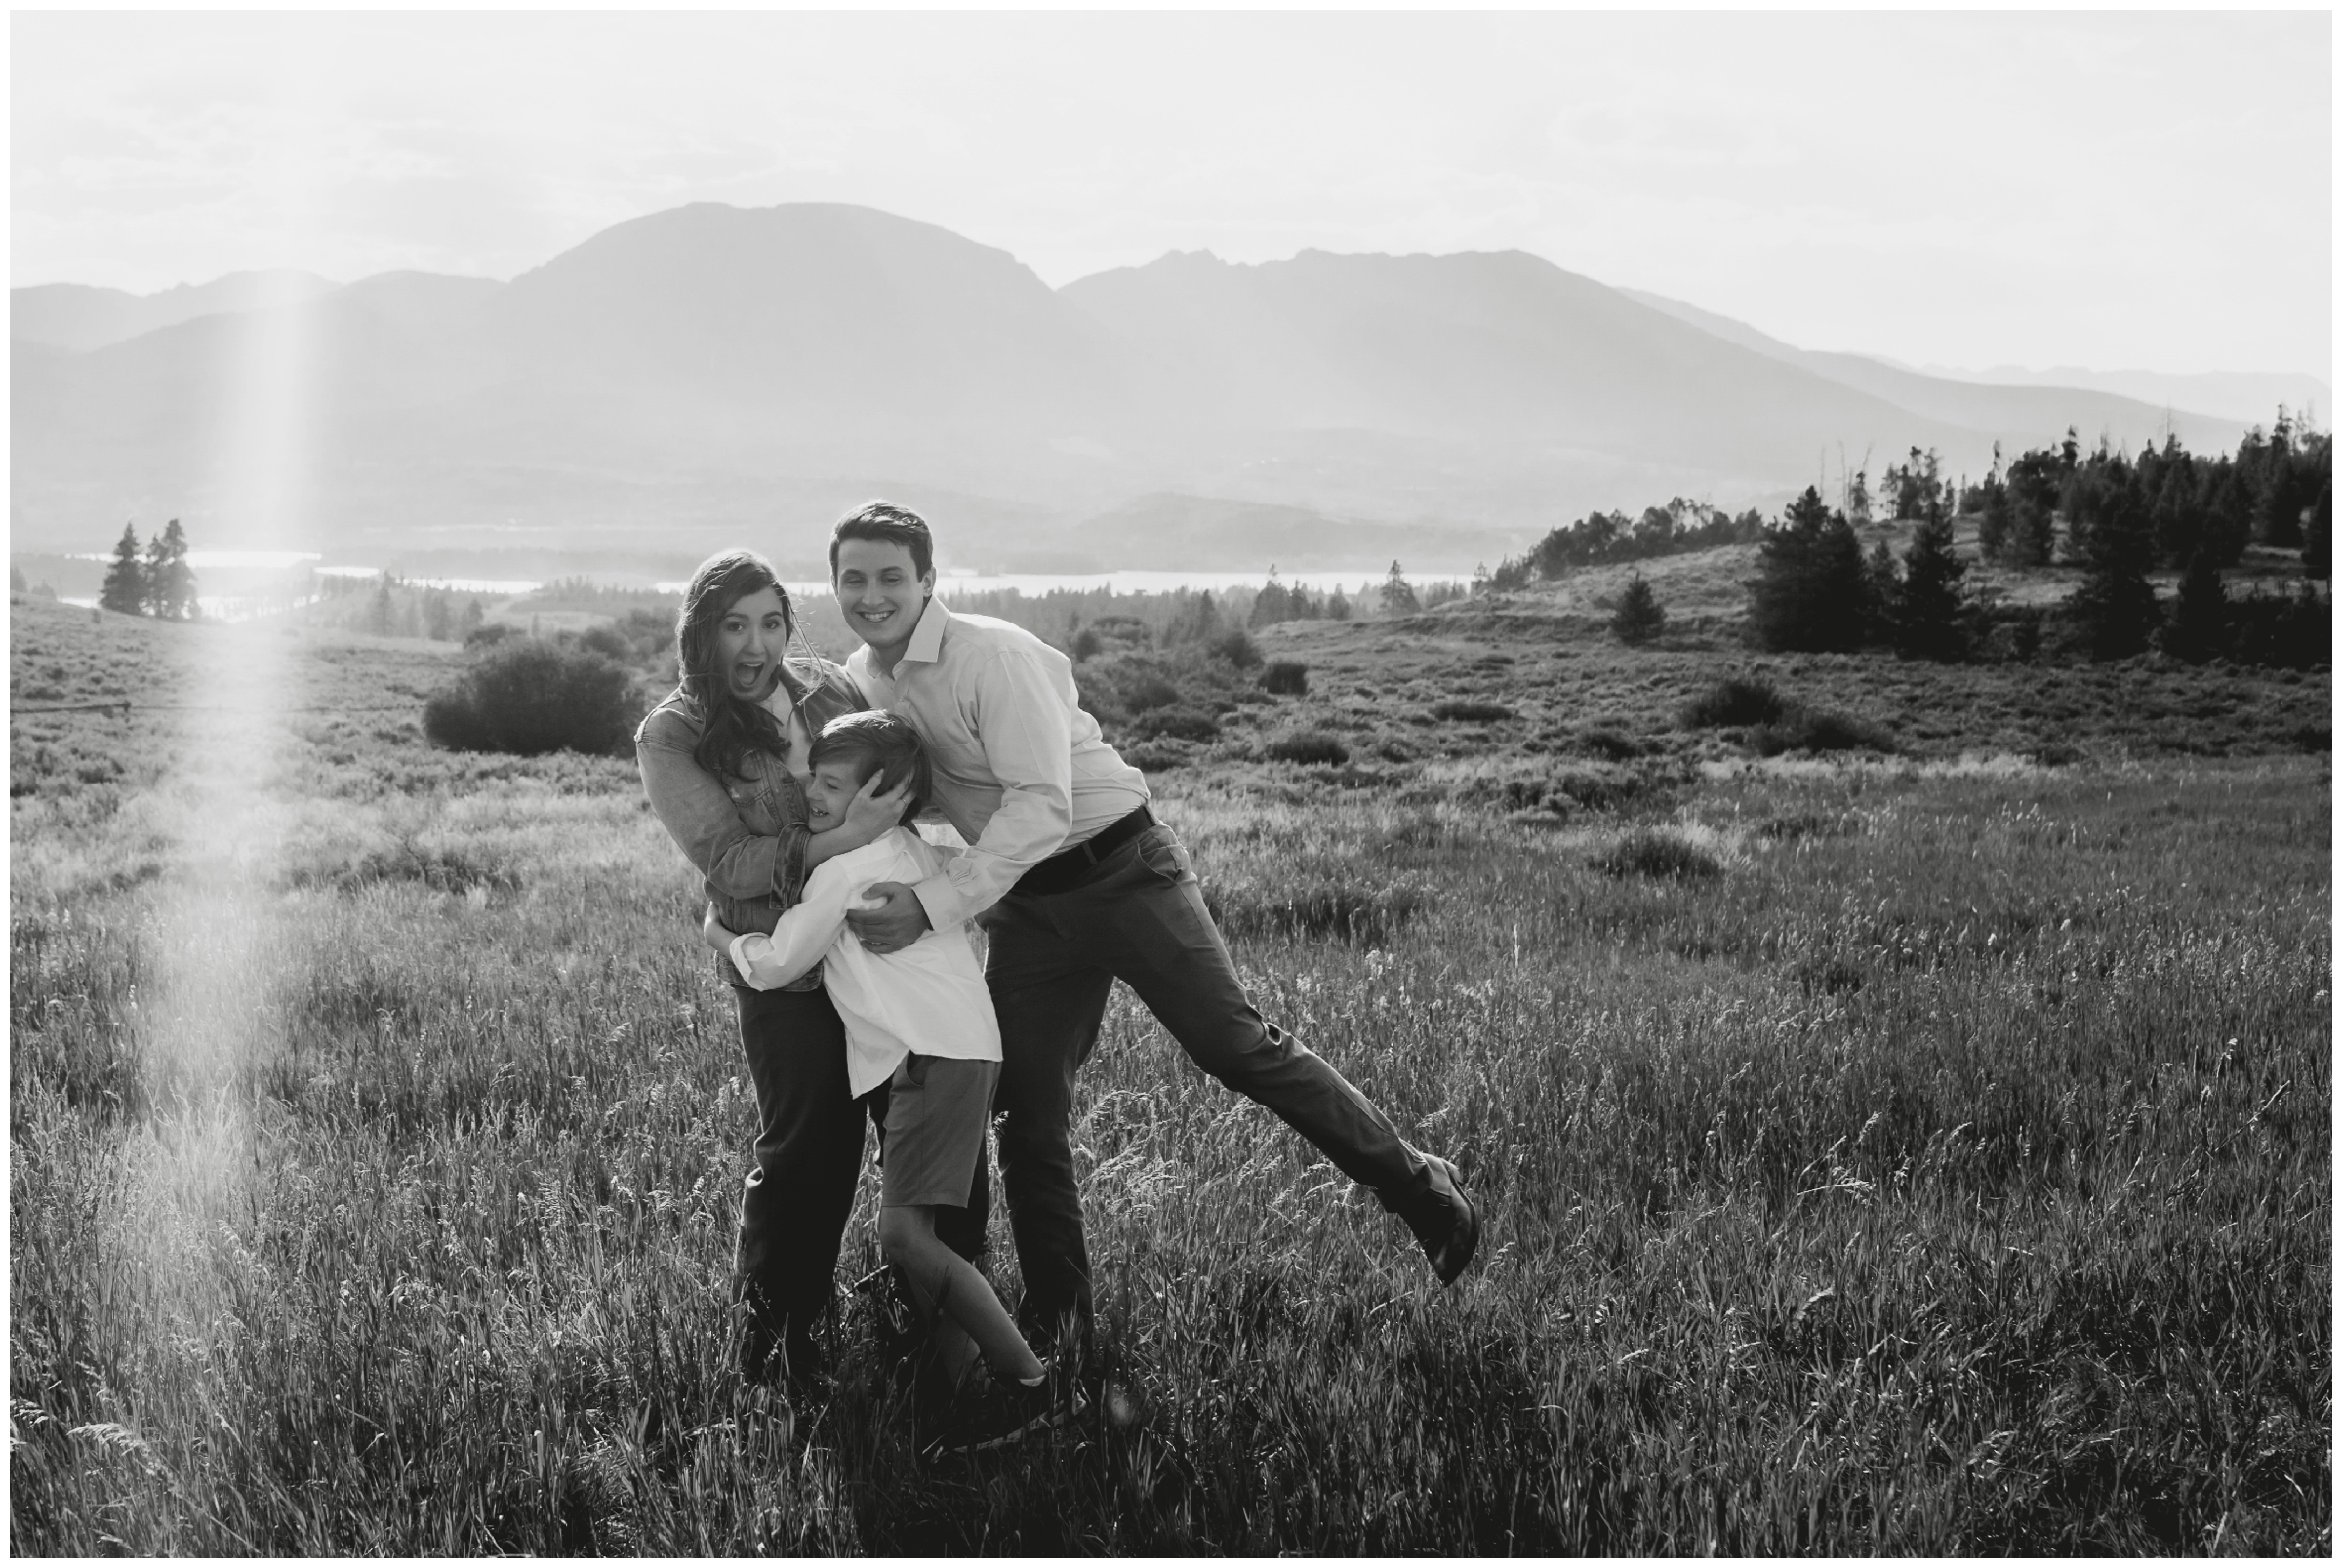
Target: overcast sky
[(2113, 190)]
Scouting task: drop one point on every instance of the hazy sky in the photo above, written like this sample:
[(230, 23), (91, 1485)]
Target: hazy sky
[(2117, 190)]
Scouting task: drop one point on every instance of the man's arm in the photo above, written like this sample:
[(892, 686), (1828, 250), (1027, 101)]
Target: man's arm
[(1022, 721), (803, 934)]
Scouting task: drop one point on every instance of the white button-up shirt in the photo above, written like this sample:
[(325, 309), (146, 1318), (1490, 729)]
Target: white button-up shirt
[(1020, 769), (930, 997)]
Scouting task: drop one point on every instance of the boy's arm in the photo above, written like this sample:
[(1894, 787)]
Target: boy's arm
[(803, 934)]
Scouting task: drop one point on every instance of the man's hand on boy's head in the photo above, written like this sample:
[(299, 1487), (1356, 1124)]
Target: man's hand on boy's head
[(714, 932), (870, 814), (898, 921)]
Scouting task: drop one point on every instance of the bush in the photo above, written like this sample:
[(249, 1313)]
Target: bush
[(1342, 910), (1235, 645), (1610, 745), (1734, 700), (1819, 730), (1309, 746), (608, 641), (1285, 678), (527, 697), (1178, 722), (1468, 710), (487, 636), (1658, 853)]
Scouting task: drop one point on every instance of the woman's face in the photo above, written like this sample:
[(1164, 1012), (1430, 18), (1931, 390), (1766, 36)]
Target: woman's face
[(749, 643)]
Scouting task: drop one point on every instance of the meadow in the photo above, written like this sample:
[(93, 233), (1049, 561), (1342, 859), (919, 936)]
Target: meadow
[(1922, 1151)]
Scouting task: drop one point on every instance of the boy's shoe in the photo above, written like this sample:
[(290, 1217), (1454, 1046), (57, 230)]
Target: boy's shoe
[(1446, 1222), (1011, 1412)]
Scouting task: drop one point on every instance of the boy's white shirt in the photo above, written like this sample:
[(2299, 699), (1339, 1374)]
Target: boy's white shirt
[(930, 997)]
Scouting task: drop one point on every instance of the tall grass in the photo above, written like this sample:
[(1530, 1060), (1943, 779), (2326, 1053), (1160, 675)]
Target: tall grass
[(1949, 1174)]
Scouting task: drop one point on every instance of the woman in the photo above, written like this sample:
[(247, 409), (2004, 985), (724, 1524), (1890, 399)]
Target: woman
[(725, 775)]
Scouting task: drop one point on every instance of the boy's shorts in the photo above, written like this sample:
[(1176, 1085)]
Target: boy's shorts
[(937, 1109)]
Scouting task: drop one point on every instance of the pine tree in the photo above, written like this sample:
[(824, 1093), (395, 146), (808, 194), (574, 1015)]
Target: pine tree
[(1809, 591), (124, 586), (2317, 522), (1337, 605), (1271, 604), (2199, 629), (1640, 615), (1882, 593), (1931, 608), (378, 608), (1399, 599), (2116, 604), (170, 582)]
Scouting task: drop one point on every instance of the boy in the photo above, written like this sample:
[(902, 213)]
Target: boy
[(920, 1028)]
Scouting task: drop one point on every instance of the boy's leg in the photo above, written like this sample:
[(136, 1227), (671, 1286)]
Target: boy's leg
[(946, 1285), (1050, 998), (795, 1201), (937, 1110)]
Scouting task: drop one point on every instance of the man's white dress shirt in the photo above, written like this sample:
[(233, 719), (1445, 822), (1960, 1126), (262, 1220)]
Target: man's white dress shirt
[(930, 997), (1020, 769)]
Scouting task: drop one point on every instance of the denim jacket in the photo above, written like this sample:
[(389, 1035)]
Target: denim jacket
[(747, 835)]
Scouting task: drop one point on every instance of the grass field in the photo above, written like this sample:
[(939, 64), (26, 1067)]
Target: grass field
[(1928, 1153)]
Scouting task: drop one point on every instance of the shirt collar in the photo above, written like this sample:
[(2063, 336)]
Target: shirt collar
[(927, 637)]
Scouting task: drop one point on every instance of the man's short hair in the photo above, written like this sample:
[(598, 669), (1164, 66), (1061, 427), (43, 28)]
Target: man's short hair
[(880, 743), (895, 525)]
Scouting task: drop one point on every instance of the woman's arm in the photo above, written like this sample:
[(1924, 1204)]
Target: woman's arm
[(699, 815)]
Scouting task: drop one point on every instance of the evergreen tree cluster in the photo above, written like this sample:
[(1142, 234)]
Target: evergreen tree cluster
[(389, 606), (2167, 504), (1603, 538), (154, 582), (1816, 591)]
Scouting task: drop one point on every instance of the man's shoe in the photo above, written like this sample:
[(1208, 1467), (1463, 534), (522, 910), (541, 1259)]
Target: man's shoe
[(1446, 1222)]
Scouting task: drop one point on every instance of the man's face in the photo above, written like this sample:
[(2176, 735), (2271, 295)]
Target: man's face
[(880, 591), (829, 793)]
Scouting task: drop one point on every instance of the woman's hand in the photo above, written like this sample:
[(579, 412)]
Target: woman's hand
[(870, 813)]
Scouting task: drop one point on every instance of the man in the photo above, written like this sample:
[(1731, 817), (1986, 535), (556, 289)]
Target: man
[(1077, 885)]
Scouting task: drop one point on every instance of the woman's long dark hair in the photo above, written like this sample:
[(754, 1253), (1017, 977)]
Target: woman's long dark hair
[(730, 728)]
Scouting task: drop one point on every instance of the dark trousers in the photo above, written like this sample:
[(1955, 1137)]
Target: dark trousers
[(1051, 962), (795, 1199)]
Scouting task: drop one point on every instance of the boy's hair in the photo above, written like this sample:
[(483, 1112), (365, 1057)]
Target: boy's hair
[(891, 524), (880, 743)]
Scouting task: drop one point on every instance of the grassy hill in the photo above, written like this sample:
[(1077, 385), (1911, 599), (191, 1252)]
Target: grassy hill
[(1925, 1154)]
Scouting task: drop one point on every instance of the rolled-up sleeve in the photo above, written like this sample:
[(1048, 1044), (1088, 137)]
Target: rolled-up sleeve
[(1027, 731), (700, 815)]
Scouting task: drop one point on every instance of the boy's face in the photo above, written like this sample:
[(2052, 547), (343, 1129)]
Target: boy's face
[(829, 793)]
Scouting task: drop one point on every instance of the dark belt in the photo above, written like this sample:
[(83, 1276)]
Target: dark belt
[(1069, 866)]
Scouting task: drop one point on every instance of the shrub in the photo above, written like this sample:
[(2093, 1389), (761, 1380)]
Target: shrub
[(608, 641), (1470, 710), (1610, 745), (487, 636), (1340, 909), (1309, 746), (1804, 729), (1285, 678), (1178, 722), (528, 697), (1736, 700), (1657, 852), (1158, 757), (1235, 645)]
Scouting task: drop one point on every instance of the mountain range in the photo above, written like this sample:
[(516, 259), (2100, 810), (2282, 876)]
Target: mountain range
[(713, 374)]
